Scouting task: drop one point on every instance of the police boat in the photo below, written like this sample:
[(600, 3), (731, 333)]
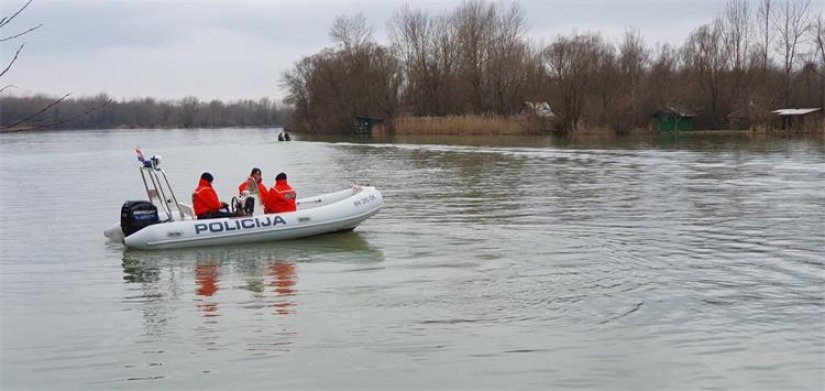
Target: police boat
[(163, 222)]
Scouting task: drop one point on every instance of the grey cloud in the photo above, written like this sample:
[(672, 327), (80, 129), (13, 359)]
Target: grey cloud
[(79, 27)]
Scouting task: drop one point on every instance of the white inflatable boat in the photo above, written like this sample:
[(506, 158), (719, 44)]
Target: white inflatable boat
[(164, 223)]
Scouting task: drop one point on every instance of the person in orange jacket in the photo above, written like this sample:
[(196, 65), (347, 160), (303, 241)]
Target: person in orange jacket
[(281, 197), (205, 200), (255, 176)]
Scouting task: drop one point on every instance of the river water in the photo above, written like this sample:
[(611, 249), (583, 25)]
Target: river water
[(669, 263)]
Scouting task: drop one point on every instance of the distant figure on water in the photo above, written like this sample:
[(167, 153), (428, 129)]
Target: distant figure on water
[(284, 136)]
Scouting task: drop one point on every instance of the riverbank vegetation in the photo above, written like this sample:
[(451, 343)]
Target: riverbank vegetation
[(102, 112), (466, 125), (474, 64)]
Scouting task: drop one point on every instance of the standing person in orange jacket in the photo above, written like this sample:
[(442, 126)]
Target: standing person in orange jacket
[(281, 197), (205, 200), (256, 177)]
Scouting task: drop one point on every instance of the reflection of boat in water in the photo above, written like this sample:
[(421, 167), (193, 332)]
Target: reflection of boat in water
[(223, 280), (164, 223), (237, 283), (252, 259)]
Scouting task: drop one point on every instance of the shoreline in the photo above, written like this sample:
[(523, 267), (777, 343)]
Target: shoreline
[(472, 126), (536, 126), (31, 129)]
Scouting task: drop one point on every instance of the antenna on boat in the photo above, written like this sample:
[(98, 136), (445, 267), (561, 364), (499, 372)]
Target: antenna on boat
[(159, 191)]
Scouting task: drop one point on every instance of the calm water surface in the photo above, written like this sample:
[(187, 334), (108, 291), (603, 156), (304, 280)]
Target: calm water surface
[(671, 263)]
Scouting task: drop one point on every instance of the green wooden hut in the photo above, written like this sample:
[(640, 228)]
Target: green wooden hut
[(670, 119)]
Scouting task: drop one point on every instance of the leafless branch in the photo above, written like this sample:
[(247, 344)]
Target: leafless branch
[(7, 86), (41, 111), (60, 121), (17, 53), (21, 34), (6, 20)]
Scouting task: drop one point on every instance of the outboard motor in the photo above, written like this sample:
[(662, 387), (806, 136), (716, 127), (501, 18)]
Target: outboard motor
[(136, 215)]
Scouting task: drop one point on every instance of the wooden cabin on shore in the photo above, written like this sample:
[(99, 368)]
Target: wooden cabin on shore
[(799, 119), (673, 119)]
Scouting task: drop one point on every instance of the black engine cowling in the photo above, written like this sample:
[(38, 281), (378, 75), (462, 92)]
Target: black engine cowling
[(136, 215)]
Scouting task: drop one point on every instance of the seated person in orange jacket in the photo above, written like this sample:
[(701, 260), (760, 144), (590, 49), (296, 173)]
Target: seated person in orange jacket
[(205, 200), (255, 176), (281, 197)]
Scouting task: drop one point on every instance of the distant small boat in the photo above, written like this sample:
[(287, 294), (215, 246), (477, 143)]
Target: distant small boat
[(164, 223), (284, 136)]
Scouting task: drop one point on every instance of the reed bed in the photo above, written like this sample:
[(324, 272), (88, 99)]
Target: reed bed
[(465, 125)]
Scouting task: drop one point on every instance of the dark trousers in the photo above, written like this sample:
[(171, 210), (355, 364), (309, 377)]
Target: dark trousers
[(215, 215)]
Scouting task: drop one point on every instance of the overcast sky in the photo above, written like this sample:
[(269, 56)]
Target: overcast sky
[(222, 49)]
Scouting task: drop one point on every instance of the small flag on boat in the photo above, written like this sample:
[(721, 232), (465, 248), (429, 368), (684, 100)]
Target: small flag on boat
[(139, 155)]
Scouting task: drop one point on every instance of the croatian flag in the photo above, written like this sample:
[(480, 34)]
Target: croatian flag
[(139, 155)]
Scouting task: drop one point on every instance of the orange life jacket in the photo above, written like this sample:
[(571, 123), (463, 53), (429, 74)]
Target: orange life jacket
[(261, 187), (205, 199), (281, 198)]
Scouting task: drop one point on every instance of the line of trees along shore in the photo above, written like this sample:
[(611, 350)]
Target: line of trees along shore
[(101, 112), (476, 60)]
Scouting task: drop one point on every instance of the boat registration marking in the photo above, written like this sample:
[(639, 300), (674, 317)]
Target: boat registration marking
[(364, 200)]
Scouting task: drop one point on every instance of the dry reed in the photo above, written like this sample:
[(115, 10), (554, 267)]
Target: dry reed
[(460, 125)]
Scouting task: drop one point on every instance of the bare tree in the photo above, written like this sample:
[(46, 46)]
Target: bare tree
[(707, 59), (819, 54), (633, 63), (792, 23), (571, 62), (736, 28), (661, 85), (411, 33), (736, 35), (507, 55), (351, 31), (475, 22), (764, 18), (819, 39), (298, 83), (357, 79), (470, 61), (446, 64)]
